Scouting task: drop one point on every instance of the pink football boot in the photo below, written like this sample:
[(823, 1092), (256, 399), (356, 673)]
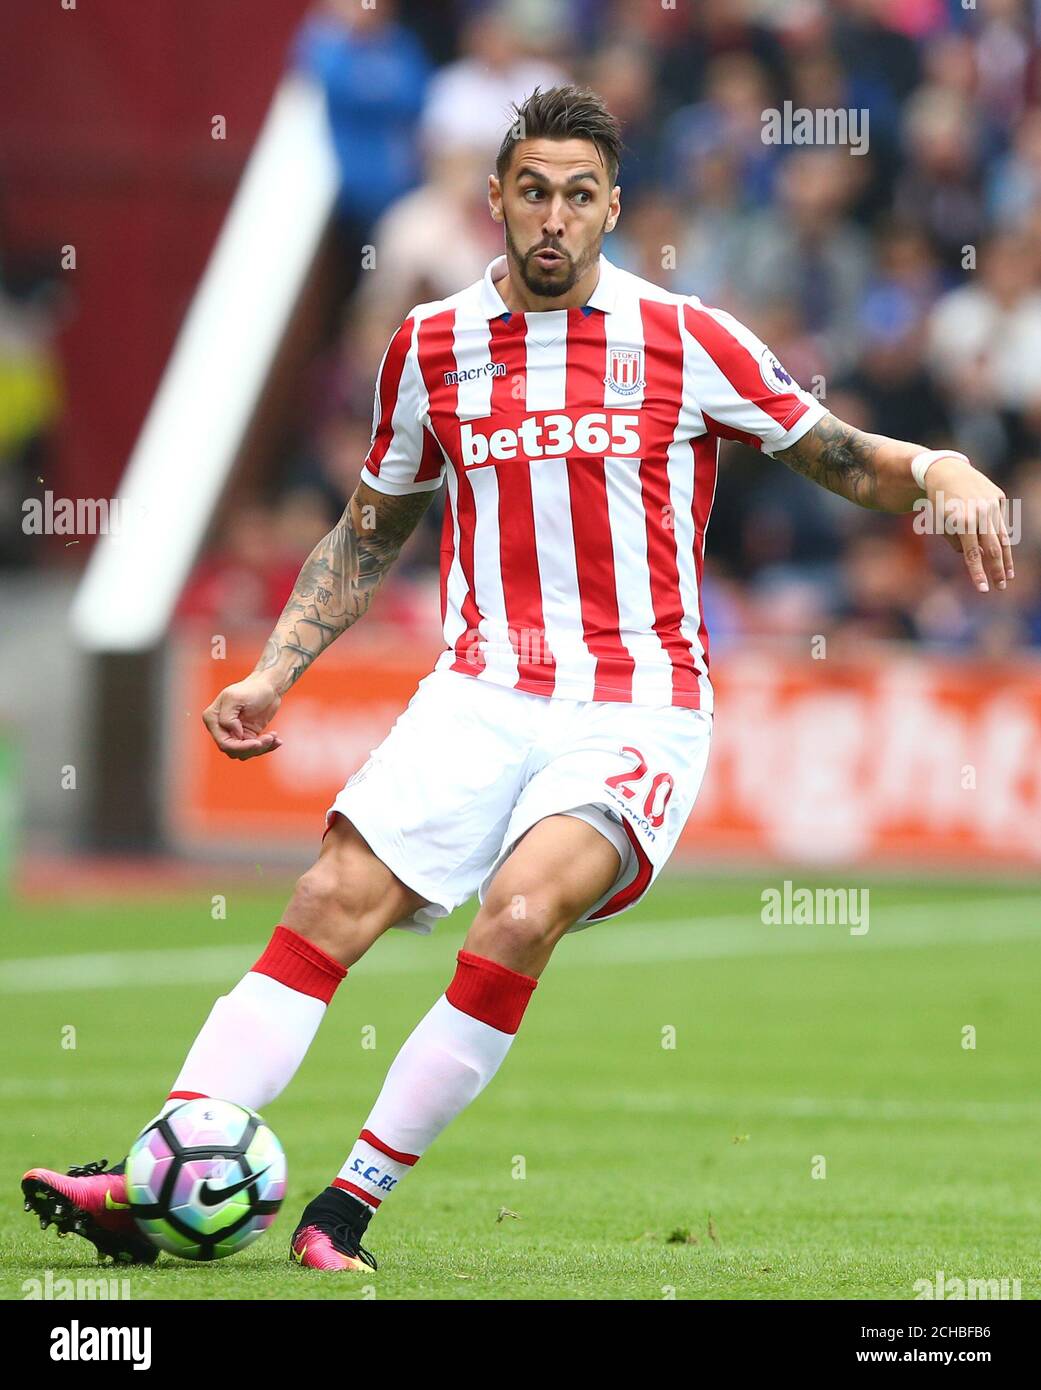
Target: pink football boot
[(329, 1234), (90, 1201)]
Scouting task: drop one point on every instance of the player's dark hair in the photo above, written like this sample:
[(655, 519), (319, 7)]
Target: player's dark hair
[(564, 113)]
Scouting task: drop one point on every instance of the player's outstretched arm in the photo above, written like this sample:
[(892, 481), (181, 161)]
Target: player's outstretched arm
[(875, 471), (332, 591)]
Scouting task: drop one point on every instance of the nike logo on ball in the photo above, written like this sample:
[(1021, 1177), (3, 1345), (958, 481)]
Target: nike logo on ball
[(212, 1196)]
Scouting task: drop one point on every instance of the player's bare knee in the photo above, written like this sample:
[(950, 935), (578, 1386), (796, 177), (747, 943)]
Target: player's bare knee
[(331, 908), (315, 896), (521, 919), (547, 907)]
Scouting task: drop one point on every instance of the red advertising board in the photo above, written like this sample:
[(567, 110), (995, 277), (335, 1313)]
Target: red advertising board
[(889, 758)]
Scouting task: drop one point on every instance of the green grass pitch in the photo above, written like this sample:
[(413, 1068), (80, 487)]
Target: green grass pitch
[(649, 1171)]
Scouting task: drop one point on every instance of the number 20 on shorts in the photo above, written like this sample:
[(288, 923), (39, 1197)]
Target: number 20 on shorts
[(656, 799)]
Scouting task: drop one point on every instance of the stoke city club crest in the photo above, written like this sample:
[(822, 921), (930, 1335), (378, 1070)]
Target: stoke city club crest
[(625, 371)]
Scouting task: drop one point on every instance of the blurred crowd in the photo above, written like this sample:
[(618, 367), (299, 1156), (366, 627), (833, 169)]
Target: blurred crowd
[(902, 284), (31, 309)]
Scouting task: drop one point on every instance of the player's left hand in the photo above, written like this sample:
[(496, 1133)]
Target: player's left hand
[(973, 513)]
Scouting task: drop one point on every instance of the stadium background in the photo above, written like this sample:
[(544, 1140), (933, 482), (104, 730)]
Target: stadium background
[(903, 285), (913, 730)]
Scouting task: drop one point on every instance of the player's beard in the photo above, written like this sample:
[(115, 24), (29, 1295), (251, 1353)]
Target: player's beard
[(537, 281)]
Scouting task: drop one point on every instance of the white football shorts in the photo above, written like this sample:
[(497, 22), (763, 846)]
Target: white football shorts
[(469, 767)]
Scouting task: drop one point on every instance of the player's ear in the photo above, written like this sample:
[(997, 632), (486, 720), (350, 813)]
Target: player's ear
[(614, 210), (495, 198)]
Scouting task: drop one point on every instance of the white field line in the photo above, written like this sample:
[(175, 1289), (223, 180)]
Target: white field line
[(981, 921), (735, 1112)]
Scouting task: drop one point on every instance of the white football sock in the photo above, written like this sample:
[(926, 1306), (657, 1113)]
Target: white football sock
[(446, 1062), (256, 1037)]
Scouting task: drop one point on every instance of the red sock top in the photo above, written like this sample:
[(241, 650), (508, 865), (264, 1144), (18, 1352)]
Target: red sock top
[(299, 964), (491, 992)]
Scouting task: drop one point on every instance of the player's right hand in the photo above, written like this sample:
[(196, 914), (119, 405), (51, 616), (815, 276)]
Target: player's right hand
[(239, 714)]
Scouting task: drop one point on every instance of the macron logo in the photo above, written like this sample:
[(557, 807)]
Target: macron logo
[(475, 373)]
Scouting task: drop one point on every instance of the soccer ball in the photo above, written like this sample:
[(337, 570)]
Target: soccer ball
[(205, 1179)]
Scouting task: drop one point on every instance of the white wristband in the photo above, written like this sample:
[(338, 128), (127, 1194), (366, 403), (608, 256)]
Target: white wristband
[(922, 462)]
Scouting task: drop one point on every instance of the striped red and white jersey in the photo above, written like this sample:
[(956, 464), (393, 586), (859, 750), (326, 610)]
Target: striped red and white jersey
[(579, 448)]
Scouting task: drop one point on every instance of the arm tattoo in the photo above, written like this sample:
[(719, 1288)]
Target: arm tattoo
[(339, 578), (837, 457)]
